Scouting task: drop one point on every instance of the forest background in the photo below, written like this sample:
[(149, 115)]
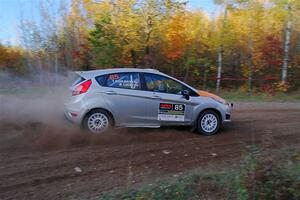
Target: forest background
[(251, 46)]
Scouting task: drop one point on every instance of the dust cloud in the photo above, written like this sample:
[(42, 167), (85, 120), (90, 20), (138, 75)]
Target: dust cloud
[(31, 112), (24, 100)]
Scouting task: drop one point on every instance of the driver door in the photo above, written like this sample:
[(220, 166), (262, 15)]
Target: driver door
[(166, 105)]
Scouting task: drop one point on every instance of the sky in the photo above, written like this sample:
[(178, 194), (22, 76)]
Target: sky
[(12, 11)]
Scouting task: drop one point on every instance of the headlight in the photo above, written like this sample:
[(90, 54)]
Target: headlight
[(213, 96), (220, 100)]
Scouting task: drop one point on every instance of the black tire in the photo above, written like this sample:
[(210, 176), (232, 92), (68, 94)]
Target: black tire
[(103, 116), (214, 117)]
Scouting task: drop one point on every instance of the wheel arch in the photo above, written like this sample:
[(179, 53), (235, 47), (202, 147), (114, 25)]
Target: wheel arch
[(194, 126), (98, 108), (212, 109)]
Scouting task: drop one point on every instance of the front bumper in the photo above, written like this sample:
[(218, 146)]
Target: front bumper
[(229, 107)]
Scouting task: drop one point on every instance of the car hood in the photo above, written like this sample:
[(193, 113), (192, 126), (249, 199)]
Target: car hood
[(213, 96)]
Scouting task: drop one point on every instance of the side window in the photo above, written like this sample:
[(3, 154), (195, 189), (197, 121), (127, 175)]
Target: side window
[(157, 83), (101, 80), (124, 80)]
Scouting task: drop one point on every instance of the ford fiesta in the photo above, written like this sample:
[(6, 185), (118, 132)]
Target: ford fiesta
[(102, 99)]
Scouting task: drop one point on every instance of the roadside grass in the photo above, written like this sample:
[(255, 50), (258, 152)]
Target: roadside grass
[(261, 175), (238, 96)]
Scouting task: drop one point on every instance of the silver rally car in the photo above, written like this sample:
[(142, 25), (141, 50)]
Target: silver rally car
[(130, 97)]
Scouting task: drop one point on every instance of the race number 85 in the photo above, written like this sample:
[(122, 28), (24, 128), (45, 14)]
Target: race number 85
[(179, 107)]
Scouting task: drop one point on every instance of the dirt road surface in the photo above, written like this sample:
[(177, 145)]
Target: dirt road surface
[(42, 161)]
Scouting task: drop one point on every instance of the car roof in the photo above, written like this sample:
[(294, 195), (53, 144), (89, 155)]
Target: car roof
[(93, 73)]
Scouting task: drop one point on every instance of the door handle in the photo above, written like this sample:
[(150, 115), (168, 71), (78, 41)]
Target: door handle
[(111, 93), (156, 97)]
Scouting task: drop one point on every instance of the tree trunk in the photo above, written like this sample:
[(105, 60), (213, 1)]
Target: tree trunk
[(133, 58), (173, 69), (288, 31), (220, 54), (250, 64), (219, 75), (250, 77), (147, 59), (40, 70), (56, 66), (186, 73), (204, 78)]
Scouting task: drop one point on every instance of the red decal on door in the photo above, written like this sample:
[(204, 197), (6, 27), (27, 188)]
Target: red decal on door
[(164, 105)]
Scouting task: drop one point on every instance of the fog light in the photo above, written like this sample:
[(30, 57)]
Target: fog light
[(227, 117)]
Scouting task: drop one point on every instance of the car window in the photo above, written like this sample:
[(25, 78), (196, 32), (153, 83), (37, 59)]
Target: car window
[(101, 80), (158, 83), (124, 80)]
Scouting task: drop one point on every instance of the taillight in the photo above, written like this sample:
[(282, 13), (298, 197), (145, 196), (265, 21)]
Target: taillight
[(82, 88)]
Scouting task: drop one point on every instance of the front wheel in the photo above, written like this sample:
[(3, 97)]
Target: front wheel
[(97, 121), (208, 123)]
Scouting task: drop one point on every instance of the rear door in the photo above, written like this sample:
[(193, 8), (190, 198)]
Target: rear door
[(166, 105), (125, 98)]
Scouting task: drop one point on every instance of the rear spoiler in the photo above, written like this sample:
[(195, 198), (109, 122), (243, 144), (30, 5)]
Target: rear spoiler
[(83, 74)]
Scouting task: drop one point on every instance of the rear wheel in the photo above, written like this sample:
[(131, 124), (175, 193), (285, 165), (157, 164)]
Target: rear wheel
[(98, 121), (208, 123)]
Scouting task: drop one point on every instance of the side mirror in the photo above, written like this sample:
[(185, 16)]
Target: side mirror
[(186, 94)]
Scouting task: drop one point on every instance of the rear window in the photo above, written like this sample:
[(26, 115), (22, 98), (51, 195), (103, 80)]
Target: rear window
[(124, 80), (78, 80)]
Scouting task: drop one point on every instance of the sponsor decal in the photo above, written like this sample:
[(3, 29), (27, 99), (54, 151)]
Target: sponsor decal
[(115, 80), (165, 106), (128, 84), (171, 112)]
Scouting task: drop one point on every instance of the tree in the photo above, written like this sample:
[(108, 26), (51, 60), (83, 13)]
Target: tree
[(102, 39), (175, 38), (151, 13), (288, 8), (225, 3), (11, 59)]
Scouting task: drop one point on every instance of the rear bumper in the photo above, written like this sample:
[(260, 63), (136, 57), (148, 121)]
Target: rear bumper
[(67, 118), (68, 115), (72, 115)]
